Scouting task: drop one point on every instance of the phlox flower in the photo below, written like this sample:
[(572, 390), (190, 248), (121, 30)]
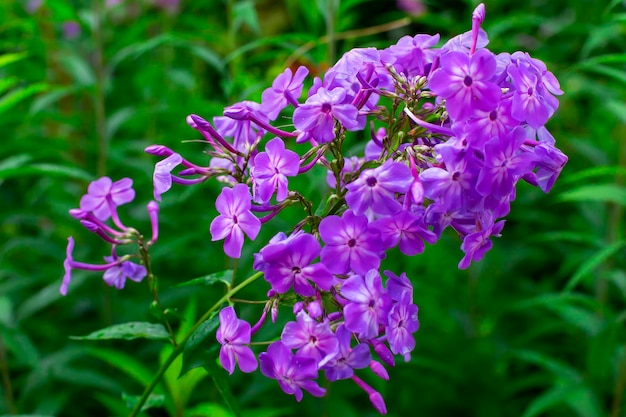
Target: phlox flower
[(234, 336), (103, 196), (271, 169), (369, 304), (235, 219)]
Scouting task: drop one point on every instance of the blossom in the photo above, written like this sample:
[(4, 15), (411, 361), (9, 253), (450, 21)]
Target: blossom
[(235, 219), (285, 89), (317, 115), (347, 359), (271, 169), (369, 304), (288, 262), (476, 244), (116, 275), (405, 228), (312, 339), (162, 177), (67, 265), (464, 81), (376, 188), (234, 336), (103, 196), (402, 323), (350, 244), (293, 373)]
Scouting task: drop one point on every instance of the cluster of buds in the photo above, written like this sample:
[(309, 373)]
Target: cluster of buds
[(452, 130)]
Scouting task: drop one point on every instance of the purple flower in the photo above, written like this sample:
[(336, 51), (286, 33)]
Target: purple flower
[(369, 304), (464, 81), (234, 336), (405, 228), (293, 373), (348, 359), (477, 244), (397, 286), (317, 115), (162, 178), (550, 161), (402, 323), (376, 188), (67, 265), (103, 196), (271, 169), (235, 219), (116, 275), (350, 244), (288, 262), (504, 164), (312, 339), (285, 90)]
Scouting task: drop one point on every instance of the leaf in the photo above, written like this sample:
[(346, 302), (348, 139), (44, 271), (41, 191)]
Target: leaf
[(123, 362), (557, 368), (115, 120), (128, 331), (46, 169), (592, 263), (45, 100), (559, 395), (195, 354), (223, 276), (7, 59), (154, 400), (221, 383), (596, 171), (7, 83), (11, 99), (245, 13), (605, 193)]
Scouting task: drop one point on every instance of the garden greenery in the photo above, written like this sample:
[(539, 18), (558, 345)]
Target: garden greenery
[(451, 131)]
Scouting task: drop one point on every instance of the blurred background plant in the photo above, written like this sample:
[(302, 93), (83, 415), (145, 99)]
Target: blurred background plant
[(537, 328)]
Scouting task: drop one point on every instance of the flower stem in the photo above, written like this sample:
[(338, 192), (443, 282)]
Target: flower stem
[(181, 345)]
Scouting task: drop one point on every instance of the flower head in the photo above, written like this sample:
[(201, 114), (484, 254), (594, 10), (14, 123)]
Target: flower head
[(234, 336), (103, 196)]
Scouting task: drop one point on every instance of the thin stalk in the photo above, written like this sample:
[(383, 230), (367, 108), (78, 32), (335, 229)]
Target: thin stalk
[(6, 381), (181, 345), (98, 99)]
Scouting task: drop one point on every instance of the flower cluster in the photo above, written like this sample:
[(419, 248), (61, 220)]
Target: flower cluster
[(96, 207), (452, 130)]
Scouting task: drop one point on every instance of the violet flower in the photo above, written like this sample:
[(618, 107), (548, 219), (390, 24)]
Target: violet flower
[(234, 336), (369, 304), (312, 339), (404, 228), (271, 169), (376, 188), (116, 275), (293, 373), (465, 82), (350, 244), (402, 323), (162, 178), (103, 196), (285, 90), (348, 359), (235, 219)]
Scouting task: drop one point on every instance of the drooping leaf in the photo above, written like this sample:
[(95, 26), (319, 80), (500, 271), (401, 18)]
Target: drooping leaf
[(592, 263), (604, 193), (128, 331), (223, 386), (224, 277), (196, 353), (124, 363), (154, 400), (15, 96), (7, 59)]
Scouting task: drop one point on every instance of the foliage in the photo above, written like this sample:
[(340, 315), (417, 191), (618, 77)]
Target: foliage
[(536, 328)]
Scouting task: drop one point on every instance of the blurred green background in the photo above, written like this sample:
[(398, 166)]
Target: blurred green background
[(535, 329)]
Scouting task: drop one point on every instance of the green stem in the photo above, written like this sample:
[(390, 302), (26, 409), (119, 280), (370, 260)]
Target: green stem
[(181, 345)]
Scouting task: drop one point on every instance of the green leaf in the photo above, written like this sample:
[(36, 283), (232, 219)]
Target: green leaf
[(154, 400), (605, 193), (7, 83), (223, 276), (596, 171), (128, 331), (44, 100), (223, 386), (11, 99), (560, 395), (47, 170), (7, 59), (124, 363), (196, 353), (245, 13), (592, 263)]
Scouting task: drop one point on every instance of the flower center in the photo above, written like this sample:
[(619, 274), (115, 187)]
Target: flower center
[(352, 243), (456, 176), (235, 219), (371, 181), (296, 270), (326, 108), (467, 81), (530, 91), (493, 115)]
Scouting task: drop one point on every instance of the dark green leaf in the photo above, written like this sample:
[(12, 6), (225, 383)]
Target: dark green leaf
[(154, 400), (592, 263), (604, 193), (223, 386), (196, 353), (224, 277), (129, 331)]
